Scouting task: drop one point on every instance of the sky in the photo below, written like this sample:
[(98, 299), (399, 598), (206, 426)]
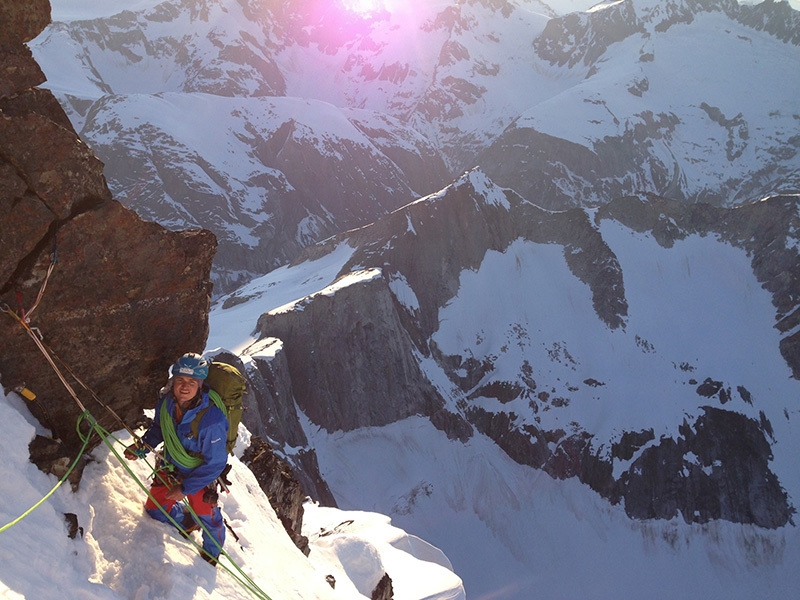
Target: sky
[(124, 554)]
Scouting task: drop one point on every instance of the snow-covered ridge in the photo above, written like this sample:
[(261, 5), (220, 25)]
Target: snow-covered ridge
[(352, 278)]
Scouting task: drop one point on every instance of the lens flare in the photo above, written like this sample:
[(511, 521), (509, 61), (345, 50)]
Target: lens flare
[(364, 7)]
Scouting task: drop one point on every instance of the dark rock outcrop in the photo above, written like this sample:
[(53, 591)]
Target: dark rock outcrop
[(780, 19), (332, 361), (717, 469), (120, 298), (584, 37), (384, 589), (269, 407), (284, 492)]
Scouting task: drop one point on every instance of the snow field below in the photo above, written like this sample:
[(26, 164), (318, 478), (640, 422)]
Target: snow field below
[(514, 532)]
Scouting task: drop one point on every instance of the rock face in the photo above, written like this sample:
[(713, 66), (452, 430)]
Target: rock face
[(331, 362), (279, 484), (120, 298), (384, 589), (728, 479)]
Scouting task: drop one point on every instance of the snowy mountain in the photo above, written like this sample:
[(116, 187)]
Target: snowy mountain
[(559, 367), (649, 116), (279, 124), (536, 391)]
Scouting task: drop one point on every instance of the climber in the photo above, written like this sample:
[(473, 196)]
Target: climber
[(197, 453)]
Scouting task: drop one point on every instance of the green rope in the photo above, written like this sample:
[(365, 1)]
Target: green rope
[(173, 445), (217, 399), (63, 478)]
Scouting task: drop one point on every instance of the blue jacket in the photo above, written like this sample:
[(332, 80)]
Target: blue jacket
[(210, 441)]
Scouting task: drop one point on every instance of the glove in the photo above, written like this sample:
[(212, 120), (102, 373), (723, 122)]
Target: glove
[(135, 451), (223, 477), (175, 493), (211, 496)]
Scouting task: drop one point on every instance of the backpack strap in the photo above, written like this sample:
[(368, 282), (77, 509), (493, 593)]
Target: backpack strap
[(215, 400), (196, 421)]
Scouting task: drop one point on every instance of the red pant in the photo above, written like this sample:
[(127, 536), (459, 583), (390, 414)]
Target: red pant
[(209, 515), (159, 492)]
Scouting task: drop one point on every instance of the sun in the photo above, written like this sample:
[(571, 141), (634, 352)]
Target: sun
[(364, 7)]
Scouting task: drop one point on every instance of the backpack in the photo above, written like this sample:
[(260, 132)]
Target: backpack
[(226, 386)]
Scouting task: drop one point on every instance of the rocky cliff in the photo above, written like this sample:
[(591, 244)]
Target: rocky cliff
[(374, 346), (114, 299), (335, 340)]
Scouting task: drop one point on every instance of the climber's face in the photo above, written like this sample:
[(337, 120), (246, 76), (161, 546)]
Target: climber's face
[(185, 388)]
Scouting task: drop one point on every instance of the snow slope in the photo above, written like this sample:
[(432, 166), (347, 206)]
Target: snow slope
[(122, 553), (512, 532)]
